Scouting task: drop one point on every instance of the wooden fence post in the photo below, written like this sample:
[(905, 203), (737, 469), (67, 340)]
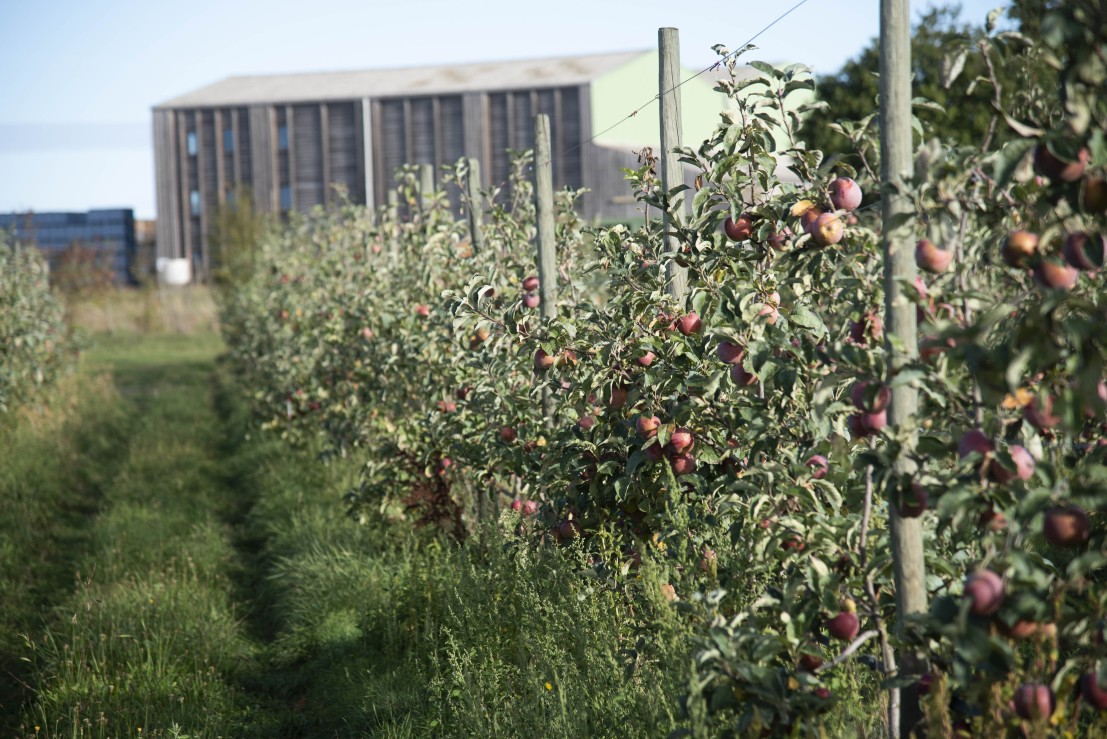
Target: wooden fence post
[(672, 171), (392, 219), (899, 266), (547, 246), (426, 186), (476, 205)]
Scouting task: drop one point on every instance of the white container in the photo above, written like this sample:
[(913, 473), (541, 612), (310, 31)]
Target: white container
[(177, 272)]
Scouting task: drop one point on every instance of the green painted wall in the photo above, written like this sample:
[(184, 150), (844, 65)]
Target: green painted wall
[(619, 92)]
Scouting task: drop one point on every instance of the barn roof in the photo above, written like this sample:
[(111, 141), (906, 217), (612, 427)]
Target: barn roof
[(407, 81)]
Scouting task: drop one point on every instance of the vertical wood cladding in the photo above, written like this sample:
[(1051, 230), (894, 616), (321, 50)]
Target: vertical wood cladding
[(290, 155)]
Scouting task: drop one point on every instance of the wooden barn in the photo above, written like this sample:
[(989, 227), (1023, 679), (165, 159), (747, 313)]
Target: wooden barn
[(292, 138)]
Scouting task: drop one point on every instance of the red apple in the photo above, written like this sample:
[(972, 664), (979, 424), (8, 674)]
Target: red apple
[(690, 324), (681, 440), (567, 357), (1034, 701), (1095, 195), (618, 396), (1039, 413), (586, 422), (507, 434), (1020, 248), (447, 406), (530, 507), (808, 218), (422, 310), (683, 464), (1066, 527), (730, 353), (819, 466), (739, 230), (1086, 252), (462, 392), (827, 229), (655, 452), (647, 426), (517, 505), (740, 376), (1049, 165), (542, 360), (1055, 276), (1093, 692), (444, 464), (985, 590), (810, 662), (880, 401), (366, 333), (845, 194), (530, 300), (530, 284), (913, 504), (992, 520), (568, 530), (844, 626), (1021, 630), (976, 441), (873, 422), (932, 259), (868, 330), (779, 239), (646, 359)]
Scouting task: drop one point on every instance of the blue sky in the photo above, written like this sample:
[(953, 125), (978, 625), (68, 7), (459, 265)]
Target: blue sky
[(79, 77)]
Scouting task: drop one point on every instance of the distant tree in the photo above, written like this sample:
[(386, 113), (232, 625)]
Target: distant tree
[(233, 238), (941, 44)]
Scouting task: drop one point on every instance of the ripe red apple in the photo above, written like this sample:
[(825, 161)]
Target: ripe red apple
[(1066, 527), (810, 662), (873, 422), (542, 360), (1095, 195), (913, 504), (1048, 164), (1021, 630), (1034, 701), (1086, 252), (793, 543), (444, 464), (1093, 692), (845, 194), (976, 441), (1039, 413), (586, 422), (769, 309), (856, 429), (992, 520), (530, 507), (809, 217), (655, 452), (739, 230), (844, 626), (647, 426), (868, 330), (447, 406), (568, 530), (517, 505), (422, 310), (930, 258), (1020, 248), (690, 324), (985, 590), (1024, 466), (530, 284), (779, 238), (619, 396), (819, 466), (366, 333), (730, 353), (740, 376), (646, 359), (880, 401), (567, 357), (530, 300), (507, 434), (683, 464), (681, 440), (1055, 276), (827, 229)]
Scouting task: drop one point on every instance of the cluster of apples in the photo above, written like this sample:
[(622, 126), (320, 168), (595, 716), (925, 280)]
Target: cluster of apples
[(530, 297), (826, 226), (678, 451)]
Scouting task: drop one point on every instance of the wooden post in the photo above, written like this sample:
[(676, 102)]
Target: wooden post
[(547, 247), (392, 223), (896, 170), (672, 171), (476, 205), (426, 185)]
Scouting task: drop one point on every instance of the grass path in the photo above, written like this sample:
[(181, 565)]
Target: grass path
[(142, 634)]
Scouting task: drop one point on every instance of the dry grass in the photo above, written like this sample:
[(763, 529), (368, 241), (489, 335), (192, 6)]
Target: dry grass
[(144, 310)]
